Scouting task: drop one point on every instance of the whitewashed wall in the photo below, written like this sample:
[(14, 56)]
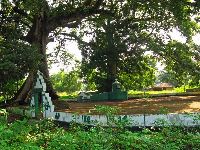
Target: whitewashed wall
[(134, 120)]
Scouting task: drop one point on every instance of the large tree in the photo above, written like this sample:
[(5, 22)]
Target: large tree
[(36, 20), (119, 42)]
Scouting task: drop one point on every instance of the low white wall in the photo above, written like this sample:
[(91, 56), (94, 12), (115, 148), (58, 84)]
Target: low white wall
[(134, 120)]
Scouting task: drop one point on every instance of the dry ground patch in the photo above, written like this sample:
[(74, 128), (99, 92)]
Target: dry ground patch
[(170, 104)]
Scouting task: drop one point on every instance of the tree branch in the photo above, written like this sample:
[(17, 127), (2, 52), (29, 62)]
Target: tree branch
[(75, 38), (66, 19), (21, 12), (98, 4)]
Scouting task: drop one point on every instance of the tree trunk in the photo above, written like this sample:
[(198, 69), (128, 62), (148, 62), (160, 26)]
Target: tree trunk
[(111, 75), (38, 36), (111, 56), (47, 20), (24, 92)]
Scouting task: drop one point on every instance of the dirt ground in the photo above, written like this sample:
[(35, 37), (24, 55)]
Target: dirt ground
[(171, 104)]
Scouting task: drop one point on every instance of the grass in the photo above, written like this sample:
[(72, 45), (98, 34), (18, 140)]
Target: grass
[(175, 90), (131, 93), (66, 96)]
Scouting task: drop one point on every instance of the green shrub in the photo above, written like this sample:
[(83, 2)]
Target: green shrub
[(44, 134)]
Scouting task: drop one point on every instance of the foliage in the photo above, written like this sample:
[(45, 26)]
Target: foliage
[(32, 24), (17, 59), (119, 42), (181, 55), (66, 82), (134, 27), (167, 77), (186, 80), (44, 134), (3, 116), (139, 80), (107, 110), (8, 90)]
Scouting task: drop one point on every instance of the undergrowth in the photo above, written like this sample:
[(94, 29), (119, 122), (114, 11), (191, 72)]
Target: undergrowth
[(30, 134)]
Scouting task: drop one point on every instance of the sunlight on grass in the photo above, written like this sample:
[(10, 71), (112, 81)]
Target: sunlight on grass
[(131, 92), (175, 90), (67, 96)]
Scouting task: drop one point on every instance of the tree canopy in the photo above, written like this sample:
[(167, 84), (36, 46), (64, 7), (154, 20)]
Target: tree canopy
[(36, 22), (122, 32), (120, 42)]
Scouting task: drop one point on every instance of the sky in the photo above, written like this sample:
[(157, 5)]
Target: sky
[(72, 48)]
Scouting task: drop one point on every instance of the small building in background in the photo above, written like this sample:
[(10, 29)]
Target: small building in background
[(162, 86)]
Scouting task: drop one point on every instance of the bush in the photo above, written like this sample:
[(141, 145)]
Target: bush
[(66, 82), (44, 134)]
